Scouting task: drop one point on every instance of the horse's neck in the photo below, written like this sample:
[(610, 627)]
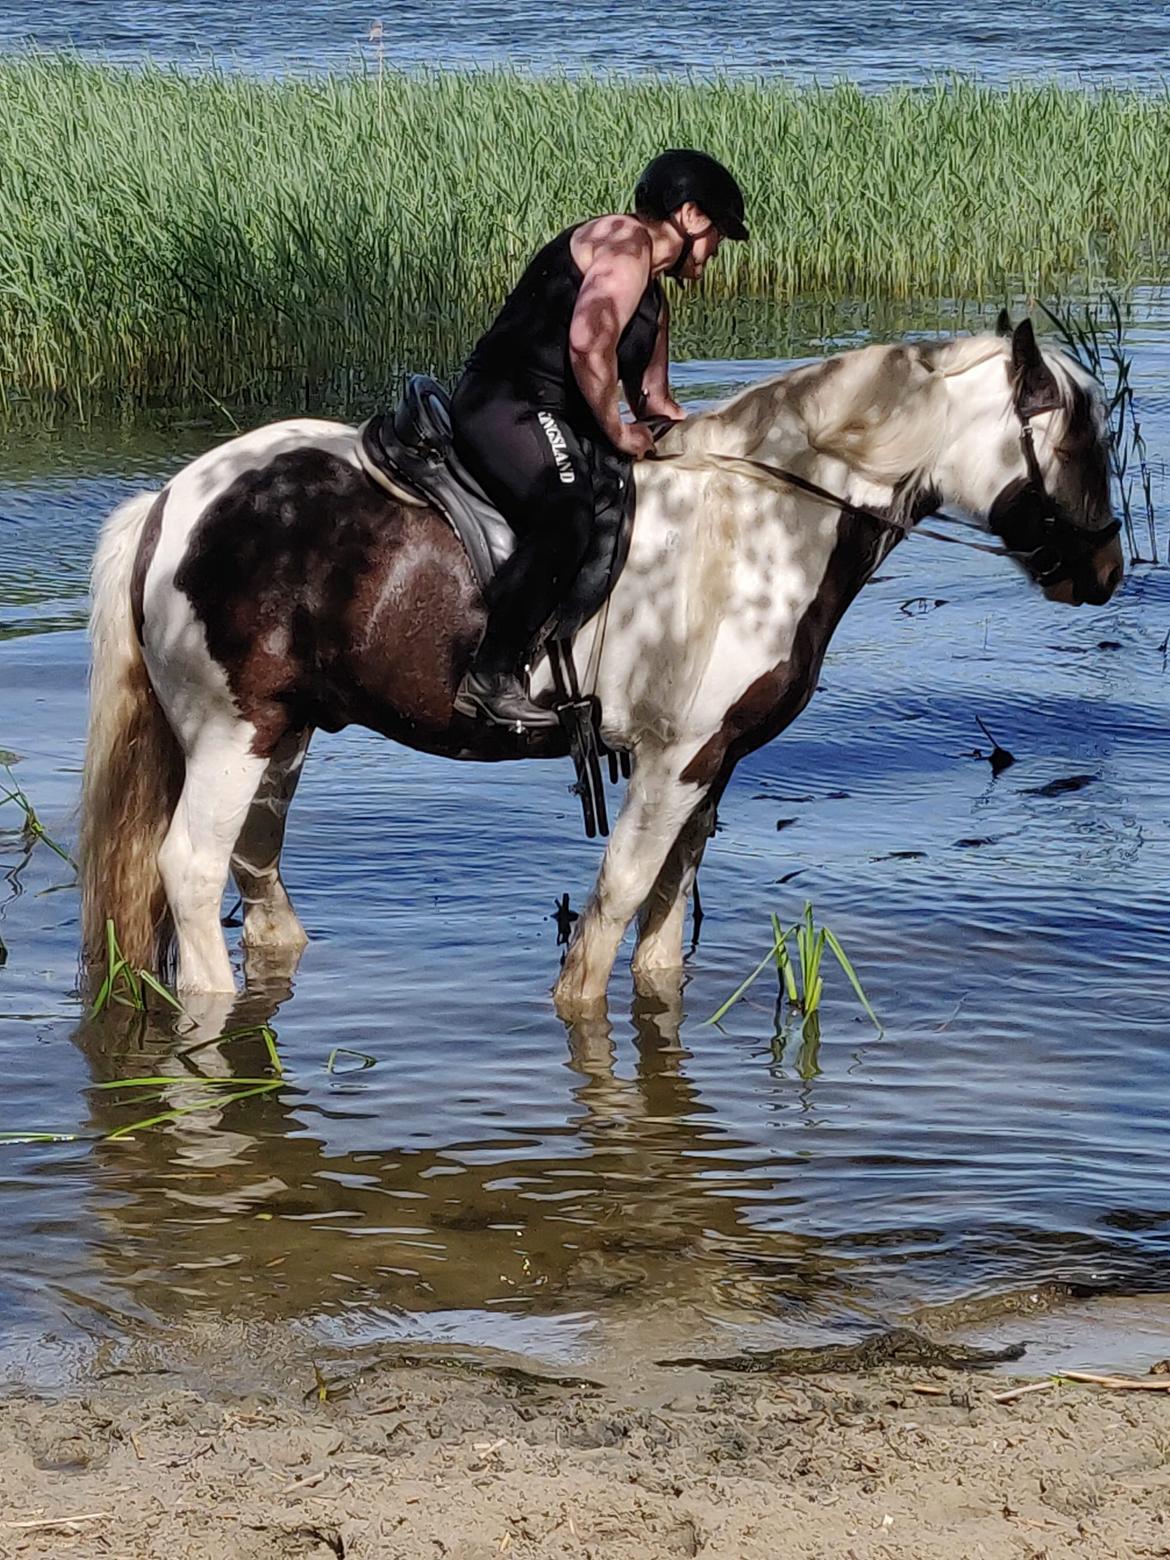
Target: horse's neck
[(713, 547), (875, 455), (723, 569), (764, 423), (982, 452)]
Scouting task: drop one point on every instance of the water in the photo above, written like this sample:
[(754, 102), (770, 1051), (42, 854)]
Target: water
[(873, 42), (444, 1160)]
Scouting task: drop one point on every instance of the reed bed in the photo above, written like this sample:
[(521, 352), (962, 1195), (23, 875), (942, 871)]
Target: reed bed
[(169, 236)]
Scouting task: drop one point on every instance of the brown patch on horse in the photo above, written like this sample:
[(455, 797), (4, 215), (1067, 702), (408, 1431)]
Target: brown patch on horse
[(1081, 441), (147, 545), (327, 603)]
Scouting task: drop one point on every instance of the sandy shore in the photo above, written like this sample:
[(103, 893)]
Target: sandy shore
[(403, 1457)]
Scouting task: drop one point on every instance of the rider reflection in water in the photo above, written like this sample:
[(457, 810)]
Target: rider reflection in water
[(587, 316)]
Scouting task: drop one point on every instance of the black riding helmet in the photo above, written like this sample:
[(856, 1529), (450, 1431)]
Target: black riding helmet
[(675, 177)]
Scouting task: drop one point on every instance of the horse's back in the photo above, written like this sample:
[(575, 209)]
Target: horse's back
[(238, 467)]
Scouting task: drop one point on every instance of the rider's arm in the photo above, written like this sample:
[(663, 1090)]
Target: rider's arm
[(614, 283), (657, 400)]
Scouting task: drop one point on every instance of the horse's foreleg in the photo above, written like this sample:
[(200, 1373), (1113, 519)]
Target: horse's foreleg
[(656, 807), (661, 918), (223, 775), (269, 918)]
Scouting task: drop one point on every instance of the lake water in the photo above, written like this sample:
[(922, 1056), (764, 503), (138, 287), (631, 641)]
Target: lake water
[(874, 41), (443, 1159), (468, 1170)]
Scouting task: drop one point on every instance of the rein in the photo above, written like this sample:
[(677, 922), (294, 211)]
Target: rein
[(1053, 528), (761, 471)]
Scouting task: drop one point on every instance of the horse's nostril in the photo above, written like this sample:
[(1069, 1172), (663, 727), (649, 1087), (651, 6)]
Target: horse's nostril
[(1098, 594)]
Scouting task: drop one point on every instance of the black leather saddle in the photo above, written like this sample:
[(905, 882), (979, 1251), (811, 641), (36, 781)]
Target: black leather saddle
[(409, 452)]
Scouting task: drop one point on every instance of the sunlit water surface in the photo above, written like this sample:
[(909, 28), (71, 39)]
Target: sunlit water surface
[(872, 41)]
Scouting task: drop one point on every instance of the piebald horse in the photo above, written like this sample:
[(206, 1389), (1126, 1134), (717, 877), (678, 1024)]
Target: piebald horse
[(271, 589)]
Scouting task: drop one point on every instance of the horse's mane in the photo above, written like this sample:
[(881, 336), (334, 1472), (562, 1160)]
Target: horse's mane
[(881, 409)]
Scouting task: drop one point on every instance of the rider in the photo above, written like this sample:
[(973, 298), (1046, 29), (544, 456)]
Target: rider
[(587, 315)]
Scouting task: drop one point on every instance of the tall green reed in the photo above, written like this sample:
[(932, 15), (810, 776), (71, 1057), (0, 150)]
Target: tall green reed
[(169, 235)]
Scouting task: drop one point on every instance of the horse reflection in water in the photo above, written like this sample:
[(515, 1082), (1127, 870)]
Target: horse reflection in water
[(645, 1209), (270, 590)]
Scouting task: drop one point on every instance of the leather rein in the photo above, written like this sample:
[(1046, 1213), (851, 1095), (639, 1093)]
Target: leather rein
[(1051, 528)]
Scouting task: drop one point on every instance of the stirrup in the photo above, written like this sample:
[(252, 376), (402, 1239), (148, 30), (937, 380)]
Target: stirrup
[(581, 718)]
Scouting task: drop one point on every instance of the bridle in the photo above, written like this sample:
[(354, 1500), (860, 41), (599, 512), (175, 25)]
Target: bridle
[(1030, 521)]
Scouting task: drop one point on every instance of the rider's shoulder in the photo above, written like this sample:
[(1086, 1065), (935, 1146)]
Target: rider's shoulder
[(615, 234)]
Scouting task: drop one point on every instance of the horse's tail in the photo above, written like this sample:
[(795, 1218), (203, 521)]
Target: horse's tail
[(133, 765)]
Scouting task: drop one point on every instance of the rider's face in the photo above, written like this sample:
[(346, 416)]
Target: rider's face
[(705, 240), (705, 248)]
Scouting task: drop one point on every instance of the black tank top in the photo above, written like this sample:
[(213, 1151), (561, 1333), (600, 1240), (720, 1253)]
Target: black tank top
[(527, 346)]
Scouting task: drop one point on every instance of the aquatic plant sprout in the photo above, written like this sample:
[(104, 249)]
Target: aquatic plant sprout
[(212, 236), (801, 982), (34, 829), (125, 985)]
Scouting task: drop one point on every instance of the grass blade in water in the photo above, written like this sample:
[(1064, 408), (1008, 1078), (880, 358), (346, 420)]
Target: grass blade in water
[(851, 974), (739, 990)]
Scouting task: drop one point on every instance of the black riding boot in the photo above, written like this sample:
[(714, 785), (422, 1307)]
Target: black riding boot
[(500, 698), (523, 598)]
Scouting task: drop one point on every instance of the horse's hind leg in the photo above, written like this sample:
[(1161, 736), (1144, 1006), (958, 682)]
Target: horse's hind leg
[(661, 918), (269, 919), (223, 775)]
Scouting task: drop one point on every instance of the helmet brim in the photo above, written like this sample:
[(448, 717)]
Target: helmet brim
[(731, 227)]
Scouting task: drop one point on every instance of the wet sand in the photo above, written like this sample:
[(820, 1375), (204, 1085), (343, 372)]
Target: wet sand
[(252, 1443)]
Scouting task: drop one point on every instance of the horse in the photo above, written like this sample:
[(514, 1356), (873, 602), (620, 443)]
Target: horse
[(271, 589)]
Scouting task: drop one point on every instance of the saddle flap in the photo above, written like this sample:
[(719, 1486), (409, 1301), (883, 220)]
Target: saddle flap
[(410, 451)]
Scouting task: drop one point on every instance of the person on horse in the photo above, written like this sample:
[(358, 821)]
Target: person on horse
[(587, 316)]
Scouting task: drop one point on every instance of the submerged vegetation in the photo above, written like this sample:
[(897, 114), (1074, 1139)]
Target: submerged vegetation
[(170, 1096), (218, 236)]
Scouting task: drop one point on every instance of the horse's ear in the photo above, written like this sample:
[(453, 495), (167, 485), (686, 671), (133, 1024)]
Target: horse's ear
[(1003, 323), (1034, 382)]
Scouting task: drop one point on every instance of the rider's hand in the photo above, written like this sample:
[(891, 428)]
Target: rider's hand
[(636, 440)]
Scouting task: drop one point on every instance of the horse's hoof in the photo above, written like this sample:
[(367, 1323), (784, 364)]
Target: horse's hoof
[(572, 1003)]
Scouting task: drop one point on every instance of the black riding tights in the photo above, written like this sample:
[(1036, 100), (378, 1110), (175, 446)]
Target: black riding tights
[(531, 464)]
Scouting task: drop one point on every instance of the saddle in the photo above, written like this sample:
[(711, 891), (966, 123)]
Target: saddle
[(409, 453)]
